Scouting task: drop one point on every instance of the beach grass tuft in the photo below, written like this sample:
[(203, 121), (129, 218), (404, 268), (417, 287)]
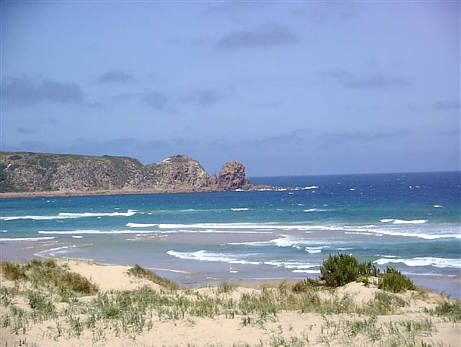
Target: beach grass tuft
[(141, 272), (450, 310), (48, 273)]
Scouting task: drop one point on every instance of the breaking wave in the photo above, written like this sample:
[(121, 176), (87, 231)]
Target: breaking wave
[(203, 255), (27, 238), (209, 256), (140, 225), (403, 221), (422, 261), (65, 215), (101, 232)]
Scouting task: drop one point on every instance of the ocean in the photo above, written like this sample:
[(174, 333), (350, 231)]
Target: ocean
[(410, 221)]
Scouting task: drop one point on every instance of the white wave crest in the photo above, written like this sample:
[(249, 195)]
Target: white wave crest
[(290, 264), (422, 261), (403, 221), (314, 250), (100, 232), (209, 256), (437, 206), (53, 251), (286, 241), (27, 238), (315, 210), (240, 209), (140, 225), (65, 215), (231, 226), (307, 271), (416, 221), (426, 236)]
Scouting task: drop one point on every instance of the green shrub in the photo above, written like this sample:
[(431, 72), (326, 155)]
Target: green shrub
[(368, 269), (393, 281), (341, 269)]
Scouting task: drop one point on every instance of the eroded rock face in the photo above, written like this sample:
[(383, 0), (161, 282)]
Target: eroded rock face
[(179, 172), (232, 176), (42, 172)]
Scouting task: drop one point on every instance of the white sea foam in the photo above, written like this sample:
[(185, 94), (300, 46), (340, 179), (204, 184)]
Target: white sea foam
[(231, 226), (437, 206), (307, 271), (210, 256), (426, 236), (290, 264), (286, 241), (215, 231), (77, 236), (416, 221), (97, 214), (403, 221), (140, 225), (422, 261), (27, 238), (358, 233), (100, 232), (310, 187), (53, 251), (240, 209), (65, 215), (314, 250)]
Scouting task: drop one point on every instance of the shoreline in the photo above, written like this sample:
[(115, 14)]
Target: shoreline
[(58, 194), (51, 194), (440, 285)]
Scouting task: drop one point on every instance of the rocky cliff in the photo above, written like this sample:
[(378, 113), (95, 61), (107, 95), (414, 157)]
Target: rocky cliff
[(43, 172)]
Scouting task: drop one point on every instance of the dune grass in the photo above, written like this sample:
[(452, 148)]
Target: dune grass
[(130, 313), (48, 273), (449, 310), (141, 272)]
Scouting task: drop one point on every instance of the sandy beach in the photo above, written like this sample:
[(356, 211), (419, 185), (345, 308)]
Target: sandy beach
[(128, 310)]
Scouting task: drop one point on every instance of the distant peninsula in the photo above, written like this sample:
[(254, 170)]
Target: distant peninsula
[(27, 174)]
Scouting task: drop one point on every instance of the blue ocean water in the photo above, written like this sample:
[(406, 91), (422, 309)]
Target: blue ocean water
[(408, 221)]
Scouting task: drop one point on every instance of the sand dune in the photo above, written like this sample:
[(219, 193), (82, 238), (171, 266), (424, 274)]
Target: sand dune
[(349, 315)]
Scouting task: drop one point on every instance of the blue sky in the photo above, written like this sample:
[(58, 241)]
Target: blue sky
[(286, 88)]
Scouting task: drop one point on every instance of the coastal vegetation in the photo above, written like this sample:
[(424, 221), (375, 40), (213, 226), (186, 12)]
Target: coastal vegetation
[(393, 281), (341, 269), (64, 304), (141, 272)]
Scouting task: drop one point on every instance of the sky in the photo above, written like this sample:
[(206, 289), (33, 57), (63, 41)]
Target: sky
[(287, 88)]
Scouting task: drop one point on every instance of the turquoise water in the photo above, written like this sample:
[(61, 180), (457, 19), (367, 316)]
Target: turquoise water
[(409, 221)]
